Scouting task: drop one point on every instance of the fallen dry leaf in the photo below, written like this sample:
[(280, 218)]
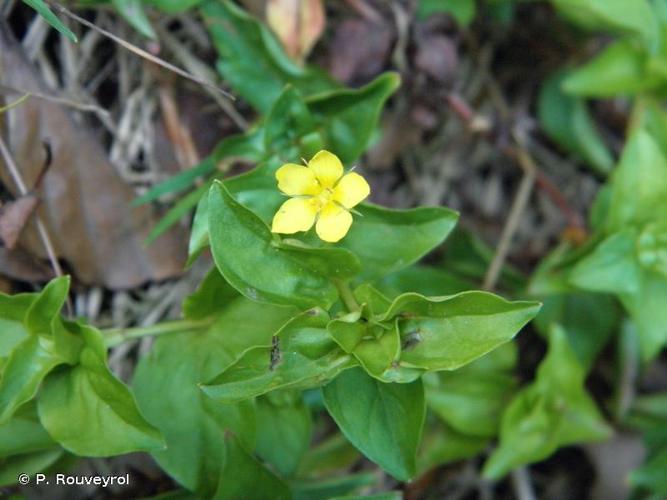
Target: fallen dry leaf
[(298, 24), (359, 50), (83, 201), (437, 56), (14, 216), (20, 265)]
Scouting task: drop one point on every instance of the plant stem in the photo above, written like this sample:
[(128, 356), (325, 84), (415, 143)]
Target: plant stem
[(116, 336), (347, 296)]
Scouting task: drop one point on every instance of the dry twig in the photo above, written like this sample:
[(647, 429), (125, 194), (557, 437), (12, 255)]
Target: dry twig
[(41, 227), (139, 51)]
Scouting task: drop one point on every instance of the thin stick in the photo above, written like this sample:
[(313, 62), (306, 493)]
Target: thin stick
[(518, 206), (522, 484), (41, 228), (15, 103), (197, 67), (81, 106), (140, 52)]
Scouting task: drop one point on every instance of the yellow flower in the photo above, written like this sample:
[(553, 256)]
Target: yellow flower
[(321, 192)]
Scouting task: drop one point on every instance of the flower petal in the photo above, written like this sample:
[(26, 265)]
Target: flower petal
[(351, 190), (297, 180), (296, 214), (334, 223), (327, 168)]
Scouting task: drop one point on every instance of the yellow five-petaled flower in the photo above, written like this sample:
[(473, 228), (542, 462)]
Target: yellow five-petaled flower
[(321, 193)]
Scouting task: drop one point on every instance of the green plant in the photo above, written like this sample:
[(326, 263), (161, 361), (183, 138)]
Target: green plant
[(292, 324)]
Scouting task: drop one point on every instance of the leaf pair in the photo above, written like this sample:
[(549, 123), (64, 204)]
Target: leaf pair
[(81, 404)]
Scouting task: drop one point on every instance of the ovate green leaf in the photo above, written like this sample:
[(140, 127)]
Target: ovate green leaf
[(384, 421), (444, 333), (90, 412), (243, 475), (284, 430), (193, 425), (243, 249)]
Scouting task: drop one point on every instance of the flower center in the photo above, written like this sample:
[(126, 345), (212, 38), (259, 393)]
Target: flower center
[(325, 196)]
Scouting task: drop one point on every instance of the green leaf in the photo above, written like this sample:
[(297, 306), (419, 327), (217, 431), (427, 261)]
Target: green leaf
[(620, 69), (173, 6), (326, 489), (24, 371), (243, 249), (470, 400), (193, 425), (649, 115), (552, 412), (461, 10), (23, 433), (212, 297), (384, 421), (387, 240), (444, 333), (288, 120), (248, 146), (389, 495), (646, 307), (442, 445), (652, 248), (634, 17), (611, 267), (252, 60), (176, 213), (639, 184), (242, 473), (90, 412), (567, 121), (27, 463), (12, 313), (376, 348), (373, 301), (651, 475), (347, 118), (199, 231), (336, 263), (589, 320), (44, 11), (133, 12), (331, 456), (36, 346), (47, 305), (302, 356), (284, 430)]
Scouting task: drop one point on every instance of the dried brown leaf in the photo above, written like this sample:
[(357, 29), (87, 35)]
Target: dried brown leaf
[(437, 56), (359, 50), (13, 218), (298, 24), (84, 203), (20, 265)]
